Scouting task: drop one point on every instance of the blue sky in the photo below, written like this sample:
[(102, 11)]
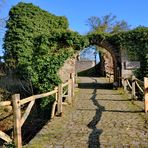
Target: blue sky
[(90, 54), (78, 11)]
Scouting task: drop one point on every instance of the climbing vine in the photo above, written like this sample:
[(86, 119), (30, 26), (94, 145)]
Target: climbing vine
[(134, 41), (37, 44)]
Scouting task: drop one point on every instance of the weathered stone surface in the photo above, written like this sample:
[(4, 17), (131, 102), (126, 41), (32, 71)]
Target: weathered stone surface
[(67, 68), (84, 65)]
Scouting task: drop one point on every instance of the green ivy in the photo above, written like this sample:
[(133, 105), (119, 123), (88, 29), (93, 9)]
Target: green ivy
[(37, 44), (134, 41)]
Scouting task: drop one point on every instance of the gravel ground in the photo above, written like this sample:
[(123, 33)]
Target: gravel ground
[(99, 117)]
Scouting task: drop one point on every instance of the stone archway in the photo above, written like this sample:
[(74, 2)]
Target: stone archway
[(116, 55)]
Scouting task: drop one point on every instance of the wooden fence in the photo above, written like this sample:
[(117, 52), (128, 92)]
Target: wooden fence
[(134, 84), (110, 76), (65, 90)]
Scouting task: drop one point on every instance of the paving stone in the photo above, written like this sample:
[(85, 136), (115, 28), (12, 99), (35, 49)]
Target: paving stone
[(99, 117)]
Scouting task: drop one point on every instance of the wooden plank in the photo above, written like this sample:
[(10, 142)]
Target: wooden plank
[(27, 112), (5, 103), (5, 137), (139, 87), (125, 84), (65, 92), (17, 120), (69, 92), (72, 84), (64, 103), (59, 106), (133, 88), (31, 98), (129, 84), (54, 104), (146, 93), (53, 109), (139, 81), (65, 96), (65, 84), (56, 94)]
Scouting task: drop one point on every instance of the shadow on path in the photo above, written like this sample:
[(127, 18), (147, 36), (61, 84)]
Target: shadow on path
[(95, 85), (93, 140)]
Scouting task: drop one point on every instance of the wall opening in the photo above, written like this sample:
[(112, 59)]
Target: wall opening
[(95, 61)]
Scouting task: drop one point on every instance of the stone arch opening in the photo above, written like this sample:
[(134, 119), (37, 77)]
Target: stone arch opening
[(116, 56), (106, 63)]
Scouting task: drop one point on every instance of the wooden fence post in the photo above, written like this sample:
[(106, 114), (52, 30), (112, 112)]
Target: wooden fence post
[(146, 93), (133, 87), (17, 120), (59, 106), (54, 104), (72, 84), (69, 91), (124, 84)]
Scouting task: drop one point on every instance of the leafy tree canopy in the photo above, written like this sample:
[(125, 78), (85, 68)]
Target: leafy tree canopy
[(107, 23)]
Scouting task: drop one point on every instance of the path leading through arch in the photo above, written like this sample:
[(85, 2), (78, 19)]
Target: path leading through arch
[(99, 117)]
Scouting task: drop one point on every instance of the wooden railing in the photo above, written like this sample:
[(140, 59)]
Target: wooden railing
[(3, 135), (110, 76), (134, 84), (65, 90)]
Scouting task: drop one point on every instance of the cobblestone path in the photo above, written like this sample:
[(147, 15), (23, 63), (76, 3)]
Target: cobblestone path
[(100, 117)]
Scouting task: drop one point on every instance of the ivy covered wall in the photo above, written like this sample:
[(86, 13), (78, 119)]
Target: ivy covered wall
[(37, 43), (134, 43)]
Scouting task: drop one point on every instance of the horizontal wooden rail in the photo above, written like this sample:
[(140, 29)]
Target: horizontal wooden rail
[(107, 73), (5, 103), (16, 103), (26, 100), (65, 84), (139, 87), (5, 137), (139, 81), (135, 85), (65, 95), (129, 84)]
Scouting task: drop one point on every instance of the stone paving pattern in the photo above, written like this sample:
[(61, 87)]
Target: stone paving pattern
[(100, 117)]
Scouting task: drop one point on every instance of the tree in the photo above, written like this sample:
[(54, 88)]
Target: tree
[(107, 24)]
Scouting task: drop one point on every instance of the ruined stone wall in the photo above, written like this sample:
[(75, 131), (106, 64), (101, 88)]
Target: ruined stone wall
[(84, 65), (124, 72), (108, 63), (73, 65), (68, 67)]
